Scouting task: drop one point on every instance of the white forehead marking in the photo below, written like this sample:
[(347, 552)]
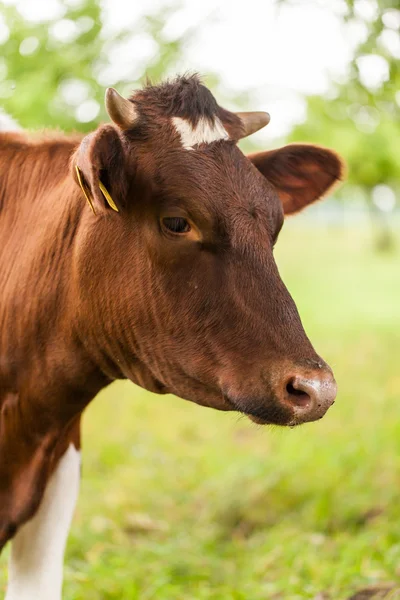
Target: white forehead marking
[(7, 123), (204, 132)]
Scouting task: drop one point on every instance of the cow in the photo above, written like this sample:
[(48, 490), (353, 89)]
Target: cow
[(141, 251)]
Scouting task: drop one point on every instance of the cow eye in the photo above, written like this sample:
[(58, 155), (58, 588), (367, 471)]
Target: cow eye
[(176, 224)]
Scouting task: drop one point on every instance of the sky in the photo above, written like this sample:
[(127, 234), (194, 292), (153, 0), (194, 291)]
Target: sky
[(278, 54)]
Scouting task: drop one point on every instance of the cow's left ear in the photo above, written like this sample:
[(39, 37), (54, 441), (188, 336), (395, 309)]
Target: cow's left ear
[(301, 173), (99, 168)]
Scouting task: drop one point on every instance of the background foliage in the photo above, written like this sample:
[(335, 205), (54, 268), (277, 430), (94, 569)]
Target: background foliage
[(360, 115), (68, 56)]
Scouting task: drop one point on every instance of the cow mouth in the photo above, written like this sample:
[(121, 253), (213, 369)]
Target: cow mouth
[(258, 420), (270, 412)]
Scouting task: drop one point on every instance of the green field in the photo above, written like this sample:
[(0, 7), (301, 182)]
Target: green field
[(180, 502)]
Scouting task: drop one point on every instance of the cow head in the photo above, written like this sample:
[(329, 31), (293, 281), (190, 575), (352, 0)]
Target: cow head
[(179, 290)]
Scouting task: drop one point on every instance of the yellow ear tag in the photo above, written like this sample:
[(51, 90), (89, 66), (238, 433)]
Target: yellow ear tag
[(108, 197), (83, 187)]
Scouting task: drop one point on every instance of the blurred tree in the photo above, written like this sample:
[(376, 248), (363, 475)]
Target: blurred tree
[(360, 115), (53, 72)]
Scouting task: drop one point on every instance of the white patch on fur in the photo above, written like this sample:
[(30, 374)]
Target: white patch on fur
[(7, 123), (204, 132), (37, 551)]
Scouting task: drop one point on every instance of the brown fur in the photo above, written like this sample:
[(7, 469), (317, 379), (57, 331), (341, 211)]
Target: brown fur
[(86, 299)]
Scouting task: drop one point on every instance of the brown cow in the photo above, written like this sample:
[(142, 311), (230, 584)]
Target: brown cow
[(165, 276)]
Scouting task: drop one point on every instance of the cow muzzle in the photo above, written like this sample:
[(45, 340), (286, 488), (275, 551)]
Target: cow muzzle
[(294, 396), (309, 395)]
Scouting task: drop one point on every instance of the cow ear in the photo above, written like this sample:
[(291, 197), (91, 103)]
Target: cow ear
[(301, 173), (99, 168)]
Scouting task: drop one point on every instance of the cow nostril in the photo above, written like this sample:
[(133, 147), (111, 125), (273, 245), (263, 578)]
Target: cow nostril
[(297, 395)]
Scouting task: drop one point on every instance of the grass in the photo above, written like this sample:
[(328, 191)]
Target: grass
[(180, 502)]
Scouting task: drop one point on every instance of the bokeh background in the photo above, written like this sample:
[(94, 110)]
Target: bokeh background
[(181, 502)]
